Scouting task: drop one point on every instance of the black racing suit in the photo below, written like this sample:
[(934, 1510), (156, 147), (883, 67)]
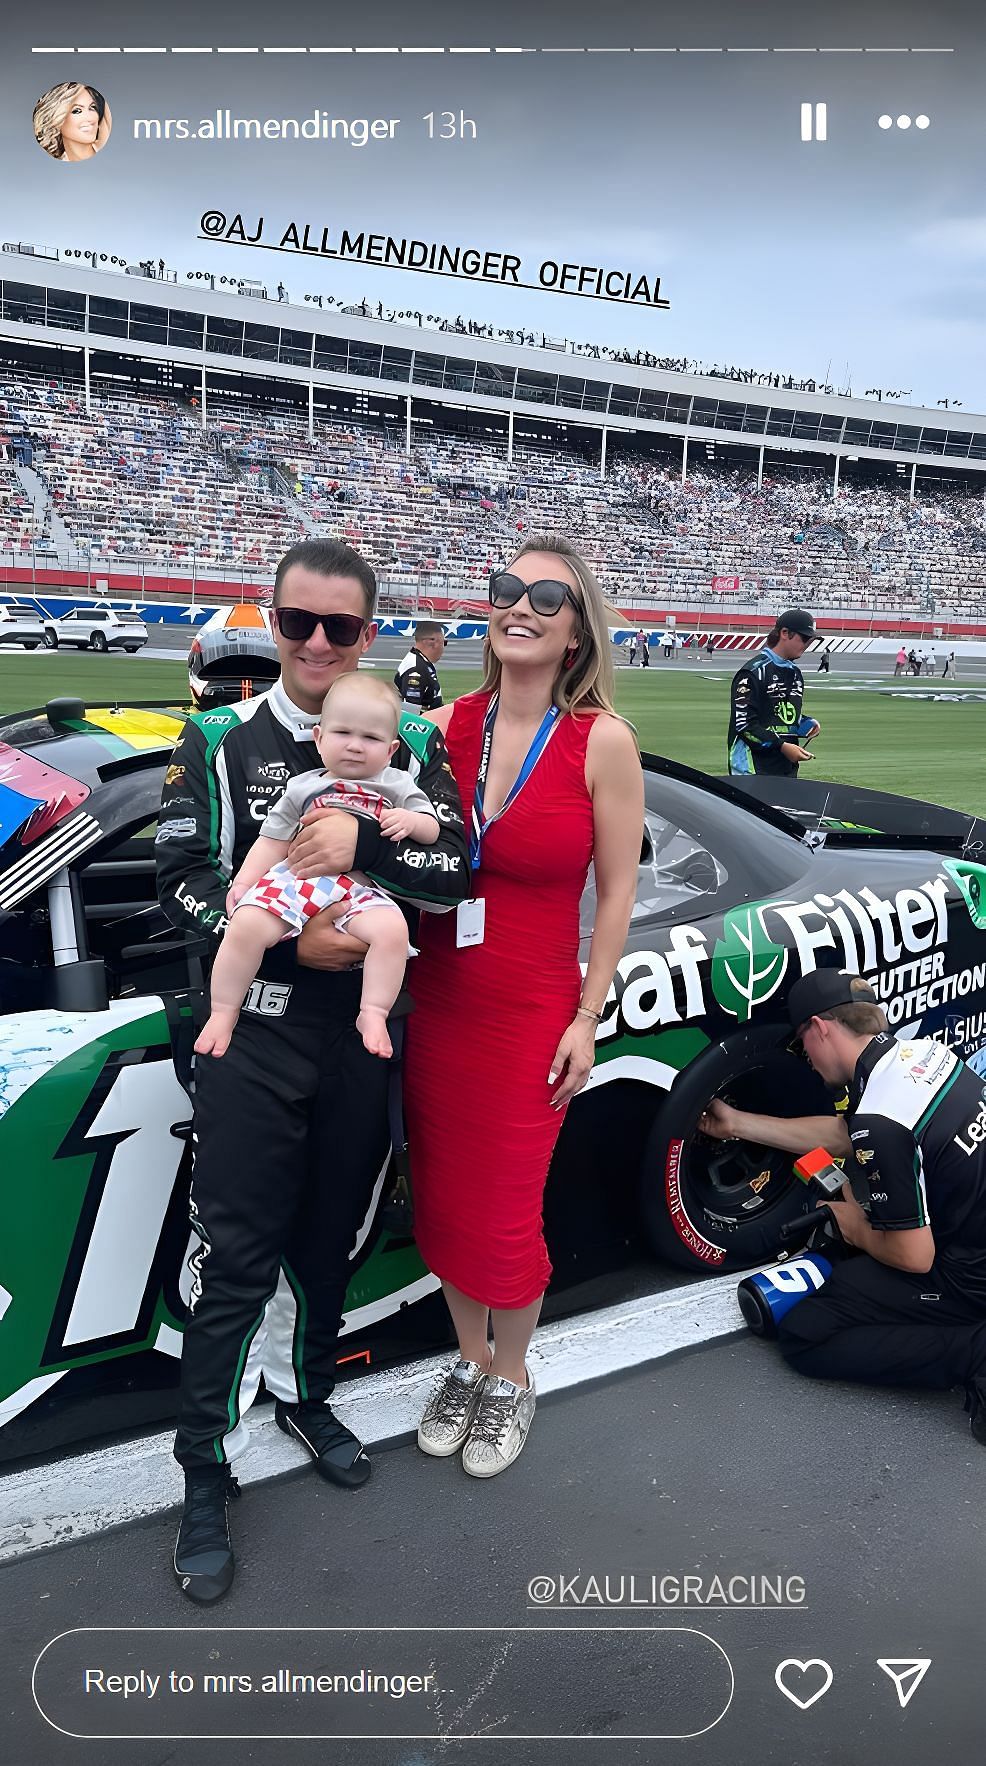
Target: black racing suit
[(291, 1123), (917, 1123), (764, 711), (417, 681)]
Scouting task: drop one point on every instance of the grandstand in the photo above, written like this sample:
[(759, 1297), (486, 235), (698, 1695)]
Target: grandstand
[(181, 440), (18, 529)]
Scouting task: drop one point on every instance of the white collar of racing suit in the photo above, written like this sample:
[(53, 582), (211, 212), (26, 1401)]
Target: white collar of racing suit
[(300, 723)]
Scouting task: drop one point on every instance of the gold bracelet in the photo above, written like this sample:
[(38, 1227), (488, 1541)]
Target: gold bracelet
[(584, 1012)]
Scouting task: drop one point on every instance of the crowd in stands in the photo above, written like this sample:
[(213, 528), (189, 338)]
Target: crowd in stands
[(18, 527), (131, 478), (791, 538), (138, 478)]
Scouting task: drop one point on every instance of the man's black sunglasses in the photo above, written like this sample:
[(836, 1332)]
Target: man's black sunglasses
[(546, 598), (297, 623)]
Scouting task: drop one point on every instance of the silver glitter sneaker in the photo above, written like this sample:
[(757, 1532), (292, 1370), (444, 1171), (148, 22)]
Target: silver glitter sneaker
[(450, 1410), (502, 1423)]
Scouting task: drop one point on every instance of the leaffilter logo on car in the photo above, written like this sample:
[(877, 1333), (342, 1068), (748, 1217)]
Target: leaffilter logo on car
[(970, 880), (747, 966)]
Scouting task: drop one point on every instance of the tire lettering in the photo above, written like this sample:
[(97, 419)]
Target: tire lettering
[(683, 1226)]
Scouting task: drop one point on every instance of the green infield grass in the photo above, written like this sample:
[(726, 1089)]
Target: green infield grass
[(919, 749), (32, 678)]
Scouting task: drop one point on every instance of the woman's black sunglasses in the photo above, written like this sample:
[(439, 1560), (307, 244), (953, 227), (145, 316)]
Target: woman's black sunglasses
[(546, 598), (297, 623)]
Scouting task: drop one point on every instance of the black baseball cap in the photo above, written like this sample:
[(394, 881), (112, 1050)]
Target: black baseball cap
[(825, 988), (797, 619)]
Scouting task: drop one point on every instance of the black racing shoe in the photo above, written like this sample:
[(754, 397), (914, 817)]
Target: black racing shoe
[(203, 1552), (338, 1454), (975, 1404)]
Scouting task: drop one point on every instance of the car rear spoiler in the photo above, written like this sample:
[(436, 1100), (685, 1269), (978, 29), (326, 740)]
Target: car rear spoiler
[(727, 792), (856, 815), (818, 812), (179, 706)]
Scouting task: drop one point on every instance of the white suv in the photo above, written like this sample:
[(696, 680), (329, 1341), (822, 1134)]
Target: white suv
[(21, 624), (96, 628)]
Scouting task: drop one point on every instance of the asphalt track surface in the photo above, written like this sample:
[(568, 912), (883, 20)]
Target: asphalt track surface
[(167, 642), (719, 1462)]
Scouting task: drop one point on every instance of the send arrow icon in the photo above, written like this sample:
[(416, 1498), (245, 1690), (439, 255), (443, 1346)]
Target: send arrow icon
[(906, 1672)]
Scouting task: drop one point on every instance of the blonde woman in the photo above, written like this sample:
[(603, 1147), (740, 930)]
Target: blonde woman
[(72, 122), (503, 1032)]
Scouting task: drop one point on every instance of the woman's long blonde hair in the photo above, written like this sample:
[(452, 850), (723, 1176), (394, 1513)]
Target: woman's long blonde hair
[(588, 684), (53, 107)]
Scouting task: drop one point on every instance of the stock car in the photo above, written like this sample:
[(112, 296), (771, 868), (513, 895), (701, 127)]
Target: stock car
[(99, 995)]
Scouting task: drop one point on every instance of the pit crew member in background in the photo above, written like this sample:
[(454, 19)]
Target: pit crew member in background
[(417, 679), (283, 1173), (767, 730), (910, 1308)]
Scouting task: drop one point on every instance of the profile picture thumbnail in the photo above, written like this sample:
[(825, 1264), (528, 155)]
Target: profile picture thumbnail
[(72, 122)]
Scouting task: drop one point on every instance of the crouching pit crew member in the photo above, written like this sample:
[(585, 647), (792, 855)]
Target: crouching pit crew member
[(909, 1309), (291, 1125)]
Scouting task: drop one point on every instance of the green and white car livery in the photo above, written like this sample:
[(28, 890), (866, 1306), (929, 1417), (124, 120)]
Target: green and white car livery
[(735, 899)]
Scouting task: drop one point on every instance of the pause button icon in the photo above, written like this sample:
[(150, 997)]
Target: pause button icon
[(814, 122)]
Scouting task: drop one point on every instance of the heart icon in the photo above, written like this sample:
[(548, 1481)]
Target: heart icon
[(782, 1675)]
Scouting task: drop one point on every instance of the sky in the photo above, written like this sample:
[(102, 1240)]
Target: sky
[(859, 260)]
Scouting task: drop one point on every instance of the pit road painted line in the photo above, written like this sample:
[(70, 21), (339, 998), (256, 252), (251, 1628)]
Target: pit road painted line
[(72, 1499)]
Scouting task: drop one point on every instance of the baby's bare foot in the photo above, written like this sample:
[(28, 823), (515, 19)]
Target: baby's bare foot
[(372, 1026)]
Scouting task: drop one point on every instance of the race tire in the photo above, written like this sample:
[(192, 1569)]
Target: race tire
[(51, 639), (97, 641), (30, 646), (719, 1205)]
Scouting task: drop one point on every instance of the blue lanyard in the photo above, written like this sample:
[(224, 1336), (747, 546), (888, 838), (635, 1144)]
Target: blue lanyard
[(534, 753)]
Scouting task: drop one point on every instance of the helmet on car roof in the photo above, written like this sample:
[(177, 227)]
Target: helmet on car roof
[(233, 656)]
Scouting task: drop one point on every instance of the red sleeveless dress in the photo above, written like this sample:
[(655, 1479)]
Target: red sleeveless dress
[(488, 1020)]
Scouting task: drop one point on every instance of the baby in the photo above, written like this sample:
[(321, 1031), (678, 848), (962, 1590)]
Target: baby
[(356, 738)]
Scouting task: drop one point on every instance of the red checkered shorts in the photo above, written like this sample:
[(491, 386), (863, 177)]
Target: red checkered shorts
[(296, 899)]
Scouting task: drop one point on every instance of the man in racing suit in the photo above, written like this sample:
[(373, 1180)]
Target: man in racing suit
[(910, 1308), (767, 731), (283, 1175), (417, 679)]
